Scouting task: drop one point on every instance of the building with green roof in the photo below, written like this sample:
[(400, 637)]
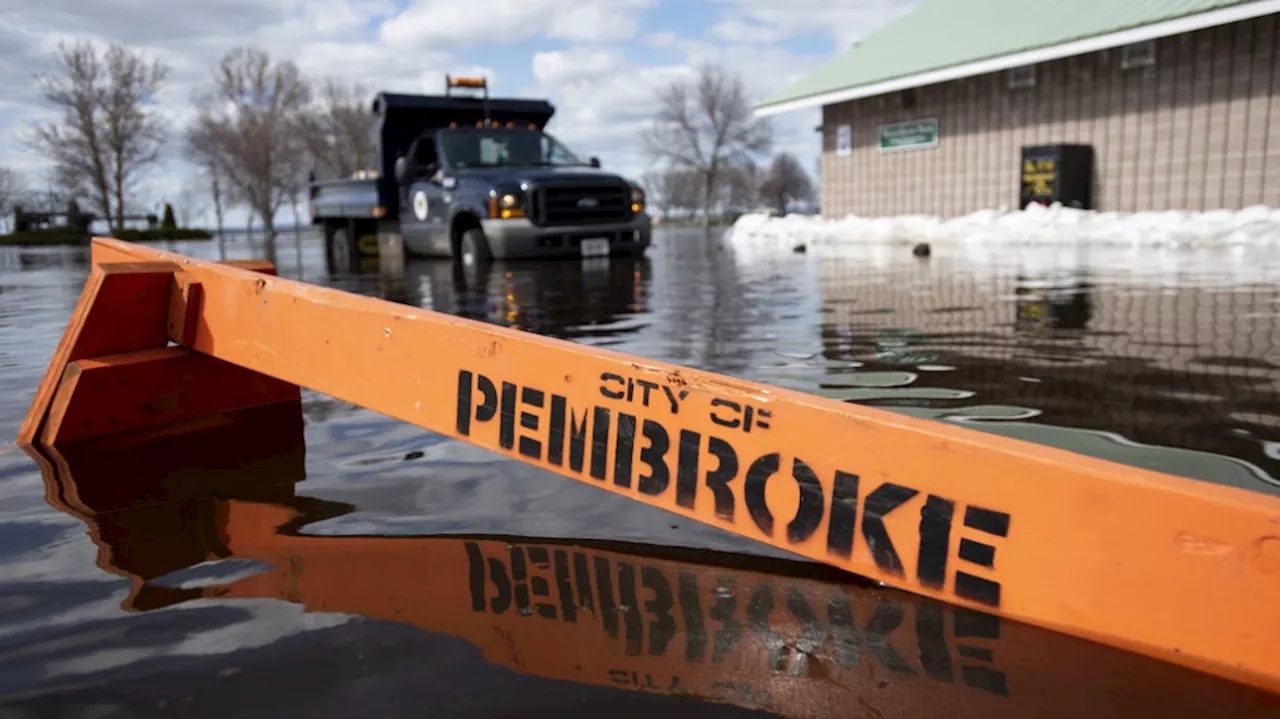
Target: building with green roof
[(1115, 105)]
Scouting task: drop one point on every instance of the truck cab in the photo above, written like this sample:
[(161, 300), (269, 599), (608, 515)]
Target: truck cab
[(476, 179)]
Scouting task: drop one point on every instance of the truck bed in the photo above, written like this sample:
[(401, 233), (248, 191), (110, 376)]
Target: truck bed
[(343, 198)]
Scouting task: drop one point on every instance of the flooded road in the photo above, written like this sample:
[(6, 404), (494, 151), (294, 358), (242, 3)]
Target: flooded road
[(208, 577)]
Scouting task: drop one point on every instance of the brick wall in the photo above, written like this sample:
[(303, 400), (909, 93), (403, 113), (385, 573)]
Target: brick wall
[(1198, 130)]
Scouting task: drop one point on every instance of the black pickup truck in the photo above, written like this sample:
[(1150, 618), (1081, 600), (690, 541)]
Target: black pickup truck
[(476, 179)]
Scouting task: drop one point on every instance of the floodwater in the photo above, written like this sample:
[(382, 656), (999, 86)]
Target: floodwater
[(410, 575)]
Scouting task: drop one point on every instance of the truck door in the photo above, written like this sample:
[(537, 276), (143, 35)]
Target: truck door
[(422, 219), (423, 215)]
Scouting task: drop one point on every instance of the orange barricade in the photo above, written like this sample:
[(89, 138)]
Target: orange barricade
[(798, 640), (1173, 568)]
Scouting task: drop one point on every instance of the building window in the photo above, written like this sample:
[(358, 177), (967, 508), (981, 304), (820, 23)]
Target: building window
[(1139, 54), (844, 140), (1024, 76)]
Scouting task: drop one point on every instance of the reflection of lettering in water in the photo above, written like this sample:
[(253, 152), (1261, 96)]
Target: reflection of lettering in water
[(543, 427), (683, 614)]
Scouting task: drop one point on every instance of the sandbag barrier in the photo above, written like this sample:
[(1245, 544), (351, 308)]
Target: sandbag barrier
[(1177, 569)]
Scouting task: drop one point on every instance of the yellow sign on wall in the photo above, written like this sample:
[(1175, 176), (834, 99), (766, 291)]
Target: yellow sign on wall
[(1039, 177)]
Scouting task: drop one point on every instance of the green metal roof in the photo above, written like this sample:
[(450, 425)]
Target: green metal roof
[(945, 33)]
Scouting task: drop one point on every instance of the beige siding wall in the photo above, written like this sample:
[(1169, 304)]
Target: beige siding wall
[(1198, 130)]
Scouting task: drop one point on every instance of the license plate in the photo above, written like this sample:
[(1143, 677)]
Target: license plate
[(595, 247)]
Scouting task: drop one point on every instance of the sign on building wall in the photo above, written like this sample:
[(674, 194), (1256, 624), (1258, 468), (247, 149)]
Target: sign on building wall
[(913, 135), (844, 140)]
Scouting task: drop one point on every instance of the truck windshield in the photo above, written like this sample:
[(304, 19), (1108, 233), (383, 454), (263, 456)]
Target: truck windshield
[(501, 147)]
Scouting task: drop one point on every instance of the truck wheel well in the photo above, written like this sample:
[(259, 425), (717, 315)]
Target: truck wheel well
[(462, 222)]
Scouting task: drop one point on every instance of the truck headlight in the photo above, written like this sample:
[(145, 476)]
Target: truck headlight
[(637, 199), (505, 206)]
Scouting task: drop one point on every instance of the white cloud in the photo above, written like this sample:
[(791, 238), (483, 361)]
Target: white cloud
[(770, 21), (566, 67), (452, 24), (604, 21), (662, 39), (748, 32)]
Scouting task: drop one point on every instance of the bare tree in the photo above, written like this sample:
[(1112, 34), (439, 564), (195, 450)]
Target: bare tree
[(704, 124), (11, 186), (339, 130), (203, 154), (109, 130), (135, 133), (673, 189), (743, 185), (685, 188), (251, 123), (53, 199), (193, 201), (658, 192), (786, 182)]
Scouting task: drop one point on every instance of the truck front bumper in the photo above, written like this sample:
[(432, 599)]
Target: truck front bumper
[(521, 239)]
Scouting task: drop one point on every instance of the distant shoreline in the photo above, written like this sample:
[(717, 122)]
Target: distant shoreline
[(60, 236)]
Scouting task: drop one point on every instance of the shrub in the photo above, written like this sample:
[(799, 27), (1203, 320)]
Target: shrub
[(160, 234), (69, 236), (43, 236)]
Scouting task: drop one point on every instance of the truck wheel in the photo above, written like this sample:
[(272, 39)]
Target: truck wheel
[(342, 251), (473, 250)]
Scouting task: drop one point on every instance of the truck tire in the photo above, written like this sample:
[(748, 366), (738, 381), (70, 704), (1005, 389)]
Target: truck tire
[(343, 252), (473, 249)]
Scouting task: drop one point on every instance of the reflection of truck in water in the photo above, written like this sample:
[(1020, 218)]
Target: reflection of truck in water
[(570, 300), (474, 179)]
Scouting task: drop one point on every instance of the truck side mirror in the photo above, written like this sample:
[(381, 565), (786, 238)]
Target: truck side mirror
[(404, 170), (595, 161)]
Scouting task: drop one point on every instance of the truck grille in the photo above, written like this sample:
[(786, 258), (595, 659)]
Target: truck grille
[(573, 204)]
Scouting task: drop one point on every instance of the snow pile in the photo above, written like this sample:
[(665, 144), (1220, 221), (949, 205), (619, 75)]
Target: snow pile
[(1255, 226)]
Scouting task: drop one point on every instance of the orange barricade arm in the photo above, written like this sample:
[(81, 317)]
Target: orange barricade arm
[(1174, 568)]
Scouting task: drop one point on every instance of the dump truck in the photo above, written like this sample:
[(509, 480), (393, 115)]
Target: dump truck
[(473, 178)]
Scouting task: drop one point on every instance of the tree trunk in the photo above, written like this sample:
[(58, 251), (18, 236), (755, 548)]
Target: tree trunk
[(707, 186), (297, 235), (216, 186), (104, 207), (268, 224), (100, 184), (217, 203), (119, 188), (268, 233)]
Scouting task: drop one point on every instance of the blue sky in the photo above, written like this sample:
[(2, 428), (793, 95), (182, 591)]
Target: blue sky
[(599, 61)]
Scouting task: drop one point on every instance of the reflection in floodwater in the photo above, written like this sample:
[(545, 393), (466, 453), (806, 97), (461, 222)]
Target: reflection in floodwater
[(209, 515), (1181, 377), (571, 300), (1045, 307)]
